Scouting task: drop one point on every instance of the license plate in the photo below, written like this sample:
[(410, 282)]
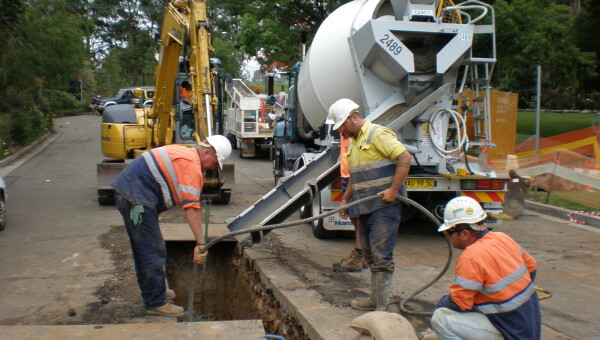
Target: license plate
[(420, 183)]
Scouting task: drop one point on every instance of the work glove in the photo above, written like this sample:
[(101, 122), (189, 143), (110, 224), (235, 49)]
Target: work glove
[(136, 214)]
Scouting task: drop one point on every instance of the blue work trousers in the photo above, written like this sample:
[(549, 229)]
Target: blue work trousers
[(149, 253), (378, 233)]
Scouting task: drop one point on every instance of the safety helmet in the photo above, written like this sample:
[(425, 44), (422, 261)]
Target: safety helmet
[(222, 146), (340, 110), (460, 210)]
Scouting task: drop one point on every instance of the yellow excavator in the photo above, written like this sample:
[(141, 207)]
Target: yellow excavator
[(186, 108)]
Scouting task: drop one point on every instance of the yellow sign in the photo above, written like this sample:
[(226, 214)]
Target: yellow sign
[(420, 183)]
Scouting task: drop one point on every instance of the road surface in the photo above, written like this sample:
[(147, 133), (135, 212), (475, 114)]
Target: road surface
[(59, 265)]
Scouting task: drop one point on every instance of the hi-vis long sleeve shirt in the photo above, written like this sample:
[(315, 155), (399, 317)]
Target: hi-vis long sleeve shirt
[(162, 178), (494, 276)]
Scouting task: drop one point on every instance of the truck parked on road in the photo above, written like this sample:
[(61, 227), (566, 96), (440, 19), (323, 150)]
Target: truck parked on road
[(249, 119), (125, 96), (406, 63)]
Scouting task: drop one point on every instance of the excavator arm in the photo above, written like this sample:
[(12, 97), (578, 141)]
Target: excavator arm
[(184, 55), (186, 27)]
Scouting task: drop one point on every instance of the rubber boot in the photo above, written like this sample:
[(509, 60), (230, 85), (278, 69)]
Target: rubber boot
[(369, 303), (384, 288), (381, 287)]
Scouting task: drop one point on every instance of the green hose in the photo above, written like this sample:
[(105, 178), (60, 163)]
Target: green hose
[(258, 228)]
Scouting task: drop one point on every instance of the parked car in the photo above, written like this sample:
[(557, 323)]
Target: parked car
[(125, 96), (2, 204)]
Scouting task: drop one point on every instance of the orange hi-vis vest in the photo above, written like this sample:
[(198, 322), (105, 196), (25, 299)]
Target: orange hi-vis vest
[(178, 172), (493, 275)]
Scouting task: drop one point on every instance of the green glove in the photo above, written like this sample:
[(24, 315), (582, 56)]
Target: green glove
[(136, 214)]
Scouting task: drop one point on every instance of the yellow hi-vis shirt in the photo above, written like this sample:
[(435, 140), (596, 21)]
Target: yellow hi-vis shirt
[(384, 145)]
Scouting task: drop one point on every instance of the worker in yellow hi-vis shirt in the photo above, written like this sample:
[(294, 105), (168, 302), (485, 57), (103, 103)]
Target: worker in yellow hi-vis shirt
[(378, 165)]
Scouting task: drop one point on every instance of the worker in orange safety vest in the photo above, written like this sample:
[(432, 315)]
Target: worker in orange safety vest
[(493, 296), (154, 182)]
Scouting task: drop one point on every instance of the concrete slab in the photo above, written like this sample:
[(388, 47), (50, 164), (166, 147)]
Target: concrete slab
[(239, 329)]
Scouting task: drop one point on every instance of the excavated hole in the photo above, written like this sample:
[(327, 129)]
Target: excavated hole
[(231, 289)]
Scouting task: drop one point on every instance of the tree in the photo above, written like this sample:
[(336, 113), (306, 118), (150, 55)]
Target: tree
[(586, 37), (125, 29), (10, 10), (270, 29), (532, 32), (42, 52), (230, 59)]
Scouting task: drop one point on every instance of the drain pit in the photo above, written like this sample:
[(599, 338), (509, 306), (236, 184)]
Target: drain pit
[(230, 288)]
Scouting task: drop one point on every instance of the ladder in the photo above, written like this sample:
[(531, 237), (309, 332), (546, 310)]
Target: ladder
[(480, 73), (236, 90)]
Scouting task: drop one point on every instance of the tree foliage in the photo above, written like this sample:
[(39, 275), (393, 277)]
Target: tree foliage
[(587, 38), (43, 51), (270, 29), (46, 45), (537, 32)]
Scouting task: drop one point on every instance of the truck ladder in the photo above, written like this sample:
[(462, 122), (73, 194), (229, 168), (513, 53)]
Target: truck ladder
[(236, 90), (480, 81)]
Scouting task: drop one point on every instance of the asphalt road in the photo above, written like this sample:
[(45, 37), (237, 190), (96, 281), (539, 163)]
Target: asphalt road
[(53, 263)]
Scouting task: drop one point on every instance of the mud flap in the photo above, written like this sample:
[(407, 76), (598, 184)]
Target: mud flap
[(222, 194), (514, 200), (228, 175)]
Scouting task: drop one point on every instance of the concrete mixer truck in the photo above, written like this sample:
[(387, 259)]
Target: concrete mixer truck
[(406, 63)]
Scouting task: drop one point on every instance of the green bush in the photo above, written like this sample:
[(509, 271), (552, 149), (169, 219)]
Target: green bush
[(27, 125), (3, 149), (63, 104)]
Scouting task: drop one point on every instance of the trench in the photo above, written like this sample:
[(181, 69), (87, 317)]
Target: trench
[(231, 290)]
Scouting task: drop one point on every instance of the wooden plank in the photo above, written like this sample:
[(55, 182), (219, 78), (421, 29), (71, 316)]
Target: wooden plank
[(236, 329), (174, 232)]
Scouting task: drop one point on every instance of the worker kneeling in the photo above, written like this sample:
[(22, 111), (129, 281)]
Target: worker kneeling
[(153, 183), (493, 296)]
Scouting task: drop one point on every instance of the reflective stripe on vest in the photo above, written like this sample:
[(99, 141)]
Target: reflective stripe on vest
[(171, 197), (509, 305), (164, 186), (496, 287), (371, 178)]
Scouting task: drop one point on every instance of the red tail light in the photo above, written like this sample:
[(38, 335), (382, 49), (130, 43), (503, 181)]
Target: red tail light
[(483, 184)]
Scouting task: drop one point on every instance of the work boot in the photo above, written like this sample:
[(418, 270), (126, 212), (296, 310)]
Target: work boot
[(352, 263), (170, 293), (384, 288), (167, 309), (369, 303), (381, 285)]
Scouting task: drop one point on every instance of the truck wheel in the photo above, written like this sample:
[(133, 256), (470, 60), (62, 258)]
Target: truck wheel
[(317, 226), (232, 140), (106, 197)]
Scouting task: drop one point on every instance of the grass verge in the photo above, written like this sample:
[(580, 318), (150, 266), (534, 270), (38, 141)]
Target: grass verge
[(556, 200)]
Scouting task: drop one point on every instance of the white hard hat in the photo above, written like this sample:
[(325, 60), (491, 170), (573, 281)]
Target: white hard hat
[(460, 210), (222, 146), (340, 110)]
